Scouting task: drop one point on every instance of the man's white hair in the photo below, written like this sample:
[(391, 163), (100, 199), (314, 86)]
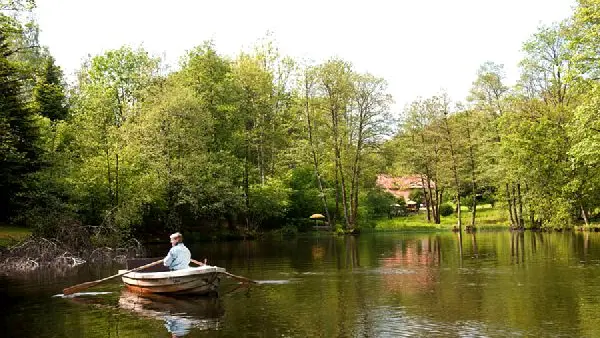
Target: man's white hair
[(176, 235)]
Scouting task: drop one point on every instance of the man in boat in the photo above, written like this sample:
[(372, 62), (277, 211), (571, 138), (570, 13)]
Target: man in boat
[(179, 256)]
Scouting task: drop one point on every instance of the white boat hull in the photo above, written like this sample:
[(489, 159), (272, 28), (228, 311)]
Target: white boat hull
[(196, 280)]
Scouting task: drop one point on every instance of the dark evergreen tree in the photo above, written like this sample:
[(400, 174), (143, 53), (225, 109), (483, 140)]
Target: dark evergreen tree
[(18, 136), (49, 92)]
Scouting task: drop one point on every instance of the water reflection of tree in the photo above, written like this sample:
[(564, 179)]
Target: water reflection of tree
[(352, 286), (474, 245), (460, 248), (506, 279), (517, 247)]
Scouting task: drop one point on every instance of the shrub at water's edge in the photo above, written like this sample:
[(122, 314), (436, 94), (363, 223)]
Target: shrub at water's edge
[(446, 210)]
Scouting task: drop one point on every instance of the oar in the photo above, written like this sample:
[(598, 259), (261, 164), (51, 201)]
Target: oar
[(83, 286), (197, 262), (240, 278)]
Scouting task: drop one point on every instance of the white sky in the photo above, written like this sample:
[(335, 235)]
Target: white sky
[(418, 46)]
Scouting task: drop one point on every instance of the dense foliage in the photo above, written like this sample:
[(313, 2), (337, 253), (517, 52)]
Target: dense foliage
[(534, 145), (259, 140), (226, 144)]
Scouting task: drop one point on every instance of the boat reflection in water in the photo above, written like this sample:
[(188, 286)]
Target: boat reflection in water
[(179, 314)]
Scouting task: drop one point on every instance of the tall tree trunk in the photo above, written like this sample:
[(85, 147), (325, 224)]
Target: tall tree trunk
[(314, 154), (584, 215), (459, 213), (438, 201), (520, 200), (109, 177), (261, 157), (427, 199), (354, 187), (274, 124), (514, 204), (116, 179), (337, 194), (437, 190), (474, 213), (473, 171), (454, 170), (510, 209), (339, 167), (433, 191), (166, 131), (118, 121), (354, 198), (247, 186), (344, 197)]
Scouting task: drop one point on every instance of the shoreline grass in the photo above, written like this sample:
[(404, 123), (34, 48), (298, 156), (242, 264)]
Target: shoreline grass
[(12, 234), (487, 218)]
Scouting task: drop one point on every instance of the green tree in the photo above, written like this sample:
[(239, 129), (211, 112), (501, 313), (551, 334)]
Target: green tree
[(368, 123), (488, 90), (108, 97), (19, 136), (308, 105), (472, 134), (335, 87), (451, 148), (49, 93), (584, 32), (210, 76), (420, 150)]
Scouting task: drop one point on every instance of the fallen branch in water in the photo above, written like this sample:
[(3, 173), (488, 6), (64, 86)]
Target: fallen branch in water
[(36, 252)]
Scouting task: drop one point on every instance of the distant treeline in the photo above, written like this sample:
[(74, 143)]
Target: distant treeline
[(534, 146), (260, 140)]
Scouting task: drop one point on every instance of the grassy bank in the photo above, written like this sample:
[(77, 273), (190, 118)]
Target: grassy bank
[(485, 218), (11, 234)]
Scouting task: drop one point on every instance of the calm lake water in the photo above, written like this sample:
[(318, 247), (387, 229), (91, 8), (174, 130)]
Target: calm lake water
[(498, 284)]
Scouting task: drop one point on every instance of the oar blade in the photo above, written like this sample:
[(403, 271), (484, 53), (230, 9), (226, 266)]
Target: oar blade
[(76, 288), (240, 278)]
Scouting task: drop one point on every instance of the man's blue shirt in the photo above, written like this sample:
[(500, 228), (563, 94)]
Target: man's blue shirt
[(178, 257)]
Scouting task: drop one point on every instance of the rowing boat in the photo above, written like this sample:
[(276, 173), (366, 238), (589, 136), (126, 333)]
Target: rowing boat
[(201, 280)]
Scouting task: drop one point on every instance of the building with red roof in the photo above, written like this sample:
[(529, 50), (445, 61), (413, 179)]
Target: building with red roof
[(402, 186)]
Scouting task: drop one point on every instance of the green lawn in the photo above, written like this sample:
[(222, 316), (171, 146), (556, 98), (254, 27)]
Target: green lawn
[(11, 234), (486, 217)]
